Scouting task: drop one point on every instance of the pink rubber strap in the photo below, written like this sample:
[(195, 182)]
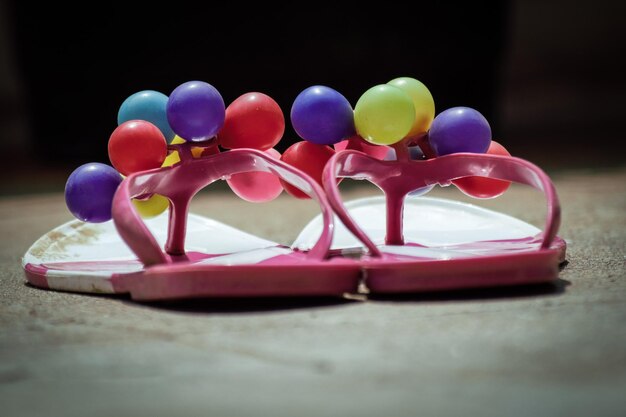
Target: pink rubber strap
[(396, 179), (181, 182)]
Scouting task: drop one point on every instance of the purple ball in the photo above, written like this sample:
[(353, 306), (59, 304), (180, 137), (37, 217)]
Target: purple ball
[(322, 116), (459, 129), (89, 192), (195, 111)]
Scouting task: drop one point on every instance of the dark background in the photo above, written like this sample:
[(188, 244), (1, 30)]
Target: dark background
[(547, 75)]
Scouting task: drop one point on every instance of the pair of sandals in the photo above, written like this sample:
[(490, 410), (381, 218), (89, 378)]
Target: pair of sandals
[(391, 244)]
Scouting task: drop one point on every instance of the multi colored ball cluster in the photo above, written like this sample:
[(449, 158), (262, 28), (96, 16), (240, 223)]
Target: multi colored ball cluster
[(389, 119), (397, 118)]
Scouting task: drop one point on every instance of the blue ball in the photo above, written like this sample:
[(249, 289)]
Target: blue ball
[(89, 192), (459, 129), (147, 105), (322, 115), (196, 111)]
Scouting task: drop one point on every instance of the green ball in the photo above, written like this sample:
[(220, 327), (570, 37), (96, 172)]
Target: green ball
[(384, 115), (422, 100)]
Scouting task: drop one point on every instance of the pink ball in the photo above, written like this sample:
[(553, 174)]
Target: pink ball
[(257, 187)]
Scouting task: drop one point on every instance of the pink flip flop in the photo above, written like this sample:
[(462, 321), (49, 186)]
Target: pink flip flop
[(443, 244), (392, 244), (202, 257)]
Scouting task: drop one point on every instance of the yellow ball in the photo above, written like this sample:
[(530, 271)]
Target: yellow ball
[(196, 151), (152, 206), (422, 101), (171, 159), (384, 115), (174, 158), (177, 140)]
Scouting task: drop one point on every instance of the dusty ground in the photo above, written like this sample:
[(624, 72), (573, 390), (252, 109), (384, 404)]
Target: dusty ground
[(548, 350)]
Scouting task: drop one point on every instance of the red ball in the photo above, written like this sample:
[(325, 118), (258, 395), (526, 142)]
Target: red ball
[(482, 187), (137, 145), (307, 157), (253, 120)]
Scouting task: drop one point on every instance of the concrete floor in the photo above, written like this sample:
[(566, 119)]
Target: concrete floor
[(557, 350)]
